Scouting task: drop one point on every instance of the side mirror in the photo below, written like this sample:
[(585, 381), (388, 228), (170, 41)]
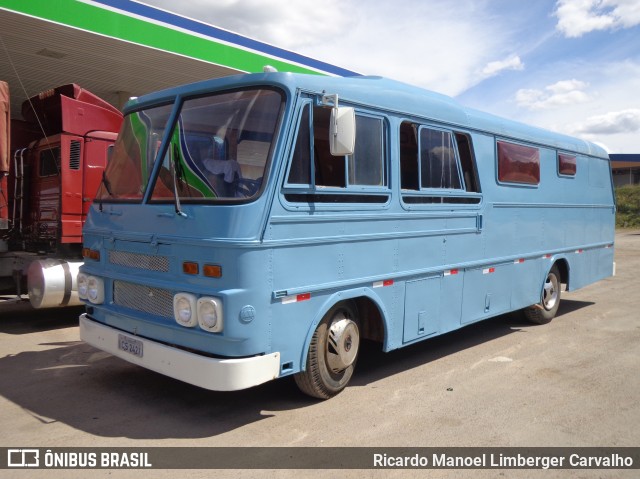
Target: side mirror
[(342, 131)]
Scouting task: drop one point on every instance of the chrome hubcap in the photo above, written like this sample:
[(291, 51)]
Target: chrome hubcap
[(342, 343), (551, 291)]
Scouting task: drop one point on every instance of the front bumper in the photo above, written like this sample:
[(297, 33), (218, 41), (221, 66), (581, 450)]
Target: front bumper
[(209, 373)]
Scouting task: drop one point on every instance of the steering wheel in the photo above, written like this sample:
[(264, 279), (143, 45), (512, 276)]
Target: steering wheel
[(247, 187)]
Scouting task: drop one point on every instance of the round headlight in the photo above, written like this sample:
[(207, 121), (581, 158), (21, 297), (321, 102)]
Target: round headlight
[(83, 288), (184, 309), (95, 290), (92, 289), (210, 314)]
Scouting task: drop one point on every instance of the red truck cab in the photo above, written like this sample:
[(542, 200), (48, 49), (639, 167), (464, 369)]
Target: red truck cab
[(57, 155)]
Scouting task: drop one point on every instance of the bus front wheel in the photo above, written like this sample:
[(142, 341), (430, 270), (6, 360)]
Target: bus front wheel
[(546, 309), (332, 354)]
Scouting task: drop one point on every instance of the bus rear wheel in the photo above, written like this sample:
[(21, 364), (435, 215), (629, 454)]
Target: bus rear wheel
[(546, 309), (332, 355)]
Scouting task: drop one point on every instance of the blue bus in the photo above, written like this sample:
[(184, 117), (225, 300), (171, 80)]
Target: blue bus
[(259, 226)]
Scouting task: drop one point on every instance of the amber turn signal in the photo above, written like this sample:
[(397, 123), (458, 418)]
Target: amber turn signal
[(91, 254), (213, 270), (189, 267)]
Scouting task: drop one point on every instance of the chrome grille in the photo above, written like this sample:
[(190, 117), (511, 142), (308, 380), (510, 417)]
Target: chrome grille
[(143, 298), (140, 261)]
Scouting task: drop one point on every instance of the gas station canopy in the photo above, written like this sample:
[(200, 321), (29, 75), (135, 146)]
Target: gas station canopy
[(121, 48)]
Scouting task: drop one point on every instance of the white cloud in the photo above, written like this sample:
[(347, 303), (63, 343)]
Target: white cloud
[(279, 22), (611, 123), (608, 113), (427, 43), (562, 93), (512, 62), (432, 44), (577, 17)]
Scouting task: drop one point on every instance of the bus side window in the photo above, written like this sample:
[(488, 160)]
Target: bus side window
[(300, 172), (438, 162), (467, 162), (366, 167), (409, 178), (434, 165), (519, 164), (330, 170), (367, 163)]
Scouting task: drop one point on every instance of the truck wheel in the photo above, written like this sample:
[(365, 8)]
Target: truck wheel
[(332, 353), (546, 309)]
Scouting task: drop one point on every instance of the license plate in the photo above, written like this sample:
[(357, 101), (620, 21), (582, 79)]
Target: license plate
[(130, 345)]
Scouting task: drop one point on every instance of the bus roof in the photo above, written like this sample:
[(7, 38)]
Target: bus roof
[(389, 95)]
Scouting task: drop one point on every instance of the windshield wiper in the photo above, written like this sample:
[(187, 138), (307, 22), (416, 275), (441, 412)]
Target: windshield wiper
[(177, 175)]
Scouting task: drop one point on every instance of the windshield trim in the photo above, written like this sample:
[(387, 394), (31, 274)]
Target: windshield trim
[(164, 144), (105, 180), (180, 100), (177, 103)]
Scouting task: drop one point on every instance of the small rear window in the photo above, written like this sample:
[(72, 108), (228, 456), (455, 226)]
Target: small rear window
[(566, 165), (518, 164)]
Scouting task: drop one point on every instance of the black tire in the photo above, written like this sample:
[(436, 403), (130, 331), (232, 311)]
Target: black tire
[(546, 309), (332, 355)]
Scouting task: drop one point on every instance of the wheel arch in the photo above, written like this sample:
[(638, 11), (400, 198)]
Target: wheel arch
[(563, 267), (550, 293), (369, 308)]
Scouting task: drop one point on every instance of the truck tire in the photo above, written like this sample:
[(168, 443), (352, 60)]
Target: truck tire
[(544, 311), (332, 355)]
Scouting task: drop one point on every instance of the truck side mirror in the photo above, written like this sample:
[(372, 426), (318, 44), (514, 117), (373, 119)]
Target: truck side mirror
[(342, 131)]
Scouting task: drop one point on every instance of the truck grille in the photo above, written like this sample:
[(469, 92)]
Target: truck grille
[(140, 261), (156, 301)]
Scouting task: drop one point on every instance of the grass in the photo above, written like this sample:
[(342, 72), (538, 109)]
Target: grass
[(628, 201)]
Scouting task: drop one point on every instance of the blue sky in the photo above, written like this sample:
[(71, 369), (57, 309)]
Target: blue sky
[(568, 65)]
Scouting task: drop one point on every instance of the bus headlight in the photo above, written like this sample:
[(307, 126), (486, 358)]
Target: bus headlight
[(95, 290), (184, 309), (83, 287), (210, 314)]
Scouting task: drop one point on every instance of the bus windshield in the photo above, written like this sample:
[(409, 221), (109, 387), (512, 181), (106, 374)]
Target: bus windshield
[(218, 149)]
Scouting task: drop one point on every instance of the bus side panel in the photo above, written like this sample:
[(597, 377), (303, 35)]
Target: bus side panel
[(290, 325), (315, 252), (594, 224), (589, 266), (463, 248), (527, 280), (451, 289), (487, 292), (325, 255), (422, 308), (307, 272), (580, 264), (602, 259)]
